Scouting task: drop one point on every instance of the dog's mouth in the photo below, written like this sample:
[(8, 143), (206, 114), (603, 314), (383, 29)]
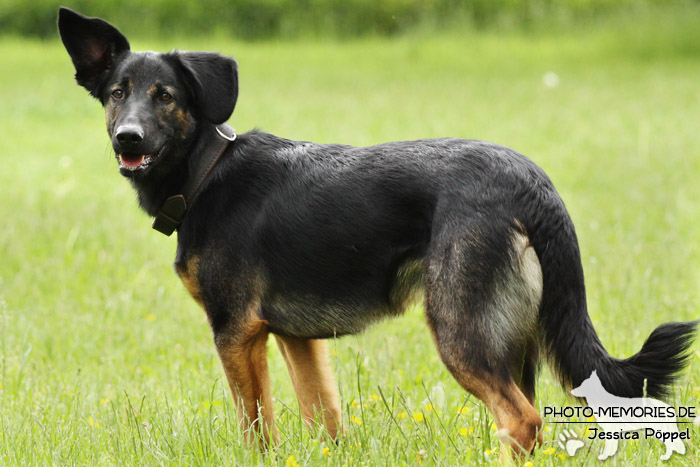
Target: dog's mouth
[(135, 162)]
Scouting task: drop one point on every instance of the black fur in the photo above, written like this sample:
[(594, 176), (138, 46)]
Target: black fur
[(569, 334), (326, 238), (93, 44), (212, 81)]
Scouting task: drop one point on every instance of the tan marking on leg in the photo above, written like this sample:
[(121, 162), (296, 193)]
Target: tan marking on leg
[(244, 358), (313, 381), (188, 276)]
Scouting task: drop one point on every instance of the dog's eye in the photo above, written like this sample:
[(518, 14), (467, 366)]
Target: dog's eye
[(117, 93), (165, 96)]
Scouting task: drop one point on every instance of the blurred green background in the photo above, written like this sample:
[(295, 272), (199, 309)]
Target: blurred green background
[(260, 19)]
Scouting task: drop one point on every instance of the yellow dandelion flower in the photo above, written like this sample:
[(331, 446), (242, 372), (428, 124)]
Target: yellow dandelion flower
[(334, 352), (547, 429), (93, 423), (150, 317), (291, 462), (590, 419), (429, 407), (548, 451), (356, 420), (489, 451), (561, 456), (494, 427), (418, 416), (466, 431), (326, 451), (374, 397), (528, 464), (462, 410), (696, 393), (104, 401), (401, 415), (355, 404)]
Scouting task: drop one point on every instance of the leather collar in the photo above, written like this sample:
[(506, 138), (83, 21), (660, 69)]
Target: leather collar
[(174, 208)]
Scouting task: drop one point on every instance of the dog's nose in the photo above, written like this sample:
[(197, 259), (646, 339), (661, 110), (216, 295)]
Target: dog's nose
[(129, 135)]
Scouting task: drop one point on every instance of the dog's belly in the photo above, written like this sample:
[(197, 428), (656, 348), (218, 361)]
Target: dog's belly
[(316, 316)]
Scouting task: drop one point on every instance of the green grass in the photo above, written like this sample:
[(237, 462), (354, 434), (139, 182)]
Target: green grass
[(105, 360)]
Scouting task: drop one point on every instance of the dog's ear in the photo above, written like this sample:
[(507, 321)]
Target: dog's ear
[(92, 44), (213, 83)]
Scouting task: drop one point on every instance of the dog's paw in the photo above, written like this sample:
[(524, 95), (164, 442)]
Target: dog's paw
[(569, 442)]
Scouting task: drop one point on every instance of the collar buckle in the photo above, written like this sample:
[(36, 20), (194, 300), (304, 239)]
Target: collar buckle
[(172, 212), (170, 215)]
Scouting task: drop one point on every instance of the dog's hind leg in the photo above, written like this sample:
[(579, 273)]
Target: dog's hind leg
[(483, 289), (528, 372), (314, 385), (243, 354)]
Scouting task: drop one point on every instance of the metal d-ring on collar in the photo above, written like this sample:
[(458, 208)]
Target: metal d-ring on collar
[(231, 137), (174, 208)]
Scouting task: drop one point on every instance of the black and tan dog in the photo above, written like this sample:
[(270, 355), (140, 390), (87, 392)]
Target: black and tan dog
[(310, 241)]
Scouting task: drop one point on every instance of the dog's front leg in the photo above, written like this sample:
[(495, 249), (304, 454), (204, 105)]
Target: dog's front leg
[(314, 385), (244, 358)]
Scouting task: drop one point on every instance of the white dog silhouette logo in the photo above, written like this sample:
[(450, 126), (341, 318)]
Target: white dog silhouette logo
[(618, 416)]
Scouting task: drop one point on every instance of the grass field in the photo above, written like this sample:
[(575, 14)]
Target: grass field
[(105, 360)]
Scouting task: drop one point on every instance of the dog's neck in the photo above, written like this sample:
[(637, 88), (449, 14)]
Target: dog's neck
[(164, 182)]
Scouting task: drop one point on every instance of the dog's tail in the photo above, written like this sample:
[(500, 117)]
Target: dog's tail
[(570, 340)]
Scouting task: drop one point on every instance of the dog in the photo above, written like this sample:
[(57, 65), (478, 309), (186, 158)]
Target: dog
[(310, 241), (613, 425)]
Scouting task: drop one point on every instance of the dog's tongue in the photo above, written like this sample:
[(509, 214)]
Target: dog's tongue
[(132, 160)]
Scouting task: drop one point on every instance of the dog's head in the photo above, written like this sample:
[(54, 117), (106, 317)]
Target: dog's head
[(153, 102)]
